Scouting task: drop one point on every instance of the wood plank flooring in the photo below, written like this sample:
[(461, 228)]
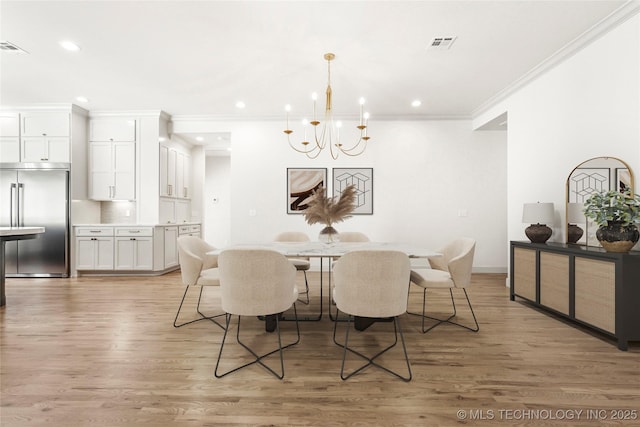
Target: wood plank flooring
[(104, 352)]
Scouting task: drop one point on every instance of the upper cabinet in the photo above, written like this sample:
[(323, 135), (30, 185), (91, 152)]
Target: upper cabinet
[(121, 129), (33, 137), (112, 159), (45, 124), (175, 172), (9, 137)]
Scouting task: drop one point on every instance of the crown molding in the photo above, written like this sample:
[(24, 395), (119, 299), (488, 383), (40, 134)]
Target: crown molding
[(614, 19), (129, 113), (270, 118)]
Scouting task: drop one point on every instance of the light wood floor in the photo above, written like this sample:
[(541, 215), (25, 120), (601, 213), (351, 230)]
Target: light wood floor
[(104, 352)]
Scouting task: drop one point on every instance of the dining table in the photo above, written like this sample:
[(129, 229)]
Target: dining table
[(9, 234), (330, 251)]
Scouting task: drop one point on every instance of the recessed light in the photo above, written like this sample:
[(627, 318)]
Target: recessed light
[(70, 46), (82, 99), (199, 138), (416, 103), (240, 104)]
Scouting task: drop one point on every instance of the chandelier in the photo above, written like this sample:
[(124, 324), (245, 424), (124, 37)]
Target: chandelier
[(329, 133)]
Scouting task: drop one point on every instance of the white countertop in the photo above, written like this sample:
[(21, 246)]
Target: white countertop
[(135, 225), (20, 231)]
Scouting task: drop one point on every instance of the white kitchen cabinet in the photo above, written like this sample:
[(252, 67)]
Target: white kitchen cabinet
[(45, 149), (94, 248), (183, 177), (46, 124), (175, 173), (170, 247), (183, 211), (9, 149), (121, 129), (190, 230), (9, 137), (112, 170), (134, 248), (45, 137), (167, 171), (9, 124)]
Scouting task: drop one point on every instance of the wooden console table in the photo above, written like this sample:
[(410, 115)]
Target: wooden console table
[(587, 285)]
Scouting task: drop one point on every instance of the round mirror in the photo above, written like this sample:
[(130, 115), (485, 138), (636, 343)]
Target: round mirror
[(592, 176)]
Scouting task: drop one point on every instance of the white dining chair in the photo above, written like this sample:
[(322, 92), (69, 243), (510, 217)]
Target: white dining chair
[(372, 284), (450, 271), (256, 282), (197, 269), (300, 263)]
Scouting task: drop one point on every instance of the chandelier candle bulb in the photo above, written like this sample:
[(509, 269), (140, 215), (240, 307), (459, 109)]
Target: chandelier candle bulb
[(314, 96), (287, 108), (304, 126)]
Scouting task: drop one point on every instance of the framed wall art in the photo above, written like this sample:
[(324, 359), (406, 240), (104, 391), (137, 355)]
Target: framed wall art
[(583, 182), (362, 179), (623, 179), (301, 183)]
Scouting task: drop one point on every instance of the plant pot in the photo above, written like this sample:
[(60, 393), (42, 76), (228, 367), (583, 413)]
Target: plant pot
[(614, 237), (329, 235)]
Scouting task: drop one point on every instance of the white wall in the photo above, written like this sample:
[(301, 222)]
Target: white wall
[(425, 172), (587, 106), (217, 220)]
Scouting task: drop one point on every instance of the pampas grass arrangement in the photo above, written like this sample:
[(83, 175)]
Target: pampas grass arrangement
[(327, 210)]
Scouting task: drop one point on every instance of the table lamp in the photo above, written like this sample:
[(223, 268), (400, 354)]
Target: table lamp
[(575, 215), (538, 215)]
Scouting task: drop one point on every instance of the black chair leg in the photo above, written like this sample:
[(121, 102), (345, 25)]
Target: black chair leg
[(202, 315), (258, 358), (371, 361), (440, 321), (306, 292)]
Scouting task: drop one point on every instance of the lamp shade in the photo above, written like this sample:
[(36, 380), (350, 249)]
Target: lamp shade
[(538, 213), (575, 213)]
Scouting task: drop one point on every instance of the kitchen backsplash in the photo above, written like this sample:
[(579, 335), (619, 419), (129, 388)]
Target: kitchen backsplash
[(118, 212)]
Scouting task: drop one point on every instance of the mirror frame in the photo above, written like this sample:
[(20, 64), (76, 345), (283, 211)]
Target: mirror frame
[(566, 210)]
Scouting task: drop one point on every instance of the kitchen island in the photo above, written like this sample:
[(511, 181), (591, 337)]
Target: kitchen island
[(13, 233)]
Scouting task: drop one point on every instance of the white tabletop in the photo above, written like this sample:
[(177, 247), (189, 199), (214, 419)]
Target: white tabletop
[(19, 231), (319, 249)]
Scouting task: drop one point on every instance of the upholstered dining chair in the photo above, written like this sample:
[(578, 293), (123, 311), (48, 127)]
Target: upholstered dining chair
[(353, 236), (349, 237), (197, 269), (372, 284), (450, 271), (300, 263), (256, 282)]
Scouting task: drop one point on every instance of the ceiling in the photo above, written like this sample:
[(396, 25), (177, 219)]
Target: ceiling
[(199, 58)]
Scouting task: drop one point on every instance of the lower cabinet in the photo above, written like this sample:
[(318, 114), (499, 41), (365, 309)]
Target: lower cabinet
[(94, 248), (587, 285), (144, 249), (134, 248), (170, 246)]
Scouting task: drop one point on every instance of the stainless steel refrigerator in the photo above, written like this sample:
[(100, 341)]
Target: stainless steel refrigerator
[(36, 195)]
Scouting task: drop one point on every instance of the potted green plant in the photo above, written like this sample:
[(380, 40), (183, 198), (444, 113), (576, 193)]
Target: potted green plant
[(617, 214)]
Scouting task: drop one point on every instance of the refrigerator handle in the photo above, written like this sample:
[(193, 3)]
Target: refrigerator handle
[(12, 204), (20, 203)]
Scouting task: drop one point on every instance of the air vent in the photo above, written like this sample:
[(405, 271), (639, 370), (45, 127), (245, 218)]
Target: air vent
[(441, 43), (6, 46)]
